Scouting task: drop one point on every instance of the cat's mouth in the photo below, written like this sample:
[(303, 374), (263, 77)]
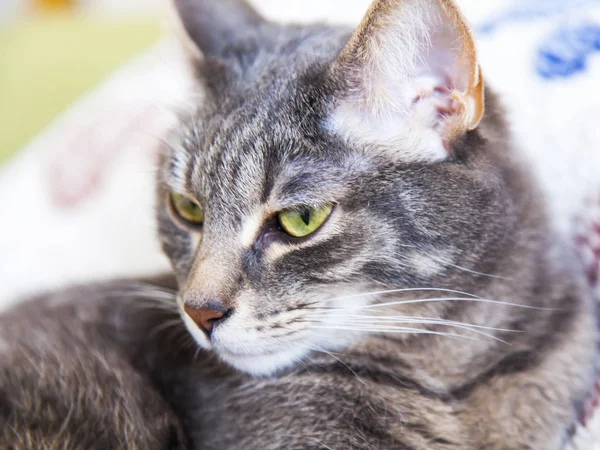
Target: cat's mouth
[(255, 359)]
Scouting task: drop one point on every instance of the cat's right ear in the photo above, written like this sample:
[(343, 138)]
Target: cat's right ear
[(210, 27)]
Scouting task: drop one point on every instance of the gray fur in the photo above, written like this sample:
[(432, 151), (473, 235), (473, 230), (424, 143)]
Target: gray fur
[(472, 224), (68, 378)]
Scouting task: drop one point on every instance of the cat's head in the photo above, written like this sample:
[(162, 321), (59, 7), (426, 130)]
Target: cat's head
[(324, 169)]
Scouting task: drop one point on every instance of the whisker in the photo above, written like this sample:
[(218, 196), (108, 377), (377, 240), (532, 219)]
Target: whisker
[(395, 291), (151, 303), (164, 326), (186, 340), (142, 294), (155, 295), (312, 347), (407, 319), (311, 332), (360, 326), (198, 350), (442, 299), (456, 266), (288, 344), (406, 330), (318, 349), (474, 272), (180, 334), (345, 341)]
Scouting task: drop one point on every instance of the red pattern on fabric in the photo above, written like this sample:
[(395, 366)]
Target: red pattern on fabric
[(79, 169), (587, 240)]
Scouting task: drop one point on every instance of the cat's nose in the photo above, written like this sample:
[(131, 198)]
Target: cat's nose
[(206, 318)]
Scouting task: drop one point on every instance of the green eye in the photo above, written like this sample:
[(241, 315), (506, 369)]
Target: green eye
[(187, 209), (305, 221)]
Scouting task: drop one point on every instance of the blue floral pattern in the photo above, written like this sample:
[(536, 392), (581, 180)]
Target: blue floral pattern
[(565, 52)]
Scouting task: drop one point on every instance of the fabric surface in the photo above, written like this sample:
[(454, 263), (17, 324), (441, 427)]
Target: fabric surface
[(78, 199)]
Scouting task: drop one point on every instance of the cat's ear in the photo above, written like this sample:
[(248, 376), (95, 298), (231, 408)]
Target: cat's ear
[(211, 26), (410, 80)]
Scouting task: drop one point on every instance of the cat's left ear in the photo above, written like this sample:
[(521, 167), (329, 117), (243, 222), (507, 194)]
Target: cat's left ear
[(411, 83), (210, 27)]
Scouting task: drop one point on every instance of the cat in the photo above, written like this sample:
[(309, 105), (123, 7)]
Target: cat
[(360, 260)]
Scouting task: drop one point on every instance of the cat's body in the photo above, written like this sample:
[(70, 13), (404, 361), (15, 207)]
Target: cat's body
[(431, 308), (96, 367), (69, 382)]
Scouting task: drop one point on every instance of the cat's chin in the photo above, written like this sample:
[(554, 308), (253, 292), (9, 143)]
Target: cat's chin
[(262, 364)]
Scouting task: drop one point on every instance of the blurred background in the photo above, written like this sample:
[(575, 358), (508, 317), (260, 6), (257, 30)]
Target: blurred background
[(55, 50), (52, 51), (89, 88)]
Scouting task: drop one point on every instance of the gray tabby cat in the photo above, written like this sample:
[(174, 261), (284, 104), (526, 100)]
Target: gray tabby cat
[(359, 253)]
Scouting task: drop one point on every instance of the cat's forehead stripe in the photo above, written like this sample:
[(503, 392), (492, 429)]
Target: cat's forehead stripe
[(251, 225)]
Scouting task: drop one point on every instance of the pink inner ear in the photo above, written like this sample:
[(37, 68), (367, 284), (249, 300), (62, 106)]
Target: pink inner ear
[(440, 95), (438, 86), (437, 89), (436, 102)]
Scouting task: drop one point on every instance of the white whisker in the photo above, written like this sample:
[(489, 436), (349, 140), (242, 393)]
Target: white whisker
[(444, 299), (395, 291), (474, 272), (456, 266), (360, 325), (406, 330), (405, 319)]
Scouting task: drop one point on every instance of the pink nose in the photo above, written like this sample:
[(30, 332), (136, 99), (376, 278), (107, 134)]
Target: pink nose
[(204, 318)]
